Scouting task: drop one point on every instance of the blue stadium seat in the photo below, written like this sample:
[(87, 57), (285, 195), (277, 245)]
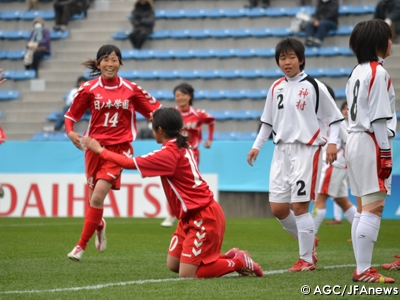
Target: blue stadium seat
[(242, 32), (238, 94), (175, 14), (338, 72), (277, 12), (191, 74), (281, 32), (58, 34), (346, 51), (261, 32), (18, 35), (345, 10), (9, 95), (4, 54), (312, 51), (344, 30), (363, 9), (247, 52), (185, 53), (166, 54), (211, 74), (258, 94), (139, 117), (266, 52), (232, 73), (16, 54), (150, 74), (236, 12), (246, 114), (146, 54), (207, 53), (227, 53), (223, 115), (160, 34), (201, 94), (3, 34), (317, 72), (8, 74), (31, 14), (121, 34), (180, 34), (200, 33), (169, 74), (129, 74), (24, 75), (254, 73), (273, 73), (216, 13), (49, 15), (340, 93), (11, 15), (221, 33), (217, 94), (160, 13), (257, 12), (78, 16), (162, 94), (330, 51), (129, 54), (196, 13)]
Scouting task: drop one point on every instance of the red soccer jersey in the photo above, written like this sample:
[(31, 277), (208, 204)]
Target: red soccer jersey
[(193, 119), (113, 105), (183, 184)]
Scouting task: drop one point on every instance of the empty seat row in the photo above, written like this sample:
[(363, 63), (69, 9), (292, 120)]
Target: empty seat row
[(24, 34), (221, 33), (218, 136), (226, 53), (224, 74), (256, 12), (31, 14), (19, 75), (16, 54)]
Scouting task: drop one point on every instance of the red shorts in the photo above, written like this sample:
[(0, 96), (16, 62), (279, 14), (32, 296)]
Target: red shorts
[(98, 168), (198, 240)]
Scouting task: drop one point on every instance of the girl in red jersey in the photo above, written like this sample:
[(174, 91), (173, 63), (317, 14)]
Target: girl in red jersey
[(193, 119), (113, 103), (195, 246)]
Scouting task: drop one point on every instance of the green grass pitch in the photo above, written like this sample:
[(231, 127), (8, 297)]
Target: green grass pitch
[(34, 264)]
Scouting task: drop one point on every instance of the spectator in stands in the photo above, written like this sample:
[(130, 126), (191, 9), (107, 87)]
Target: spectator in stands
[(38, 45), (324, 20), (65, 9), (68, 101), (32, 5), (143, 20), (389, 10)]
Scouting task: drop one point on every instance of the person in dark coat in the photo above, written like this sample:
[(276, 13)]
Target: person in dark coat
[(324, 20), (142, 20), (389, 10), (65, 9)]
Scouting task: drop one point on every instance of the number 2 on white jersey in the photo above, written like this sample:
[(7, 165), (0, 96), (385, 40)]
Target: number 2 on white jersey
[(113, 120)]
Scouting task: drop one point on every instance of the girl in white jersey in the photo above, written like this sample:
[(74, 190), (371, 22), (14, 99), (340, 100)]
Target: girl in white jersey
[(296, 111), (372, 124)]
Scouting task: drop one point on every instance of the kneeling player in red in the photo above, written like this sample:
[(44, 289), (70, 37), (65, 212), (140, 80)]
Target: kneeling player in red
[(195, 246)]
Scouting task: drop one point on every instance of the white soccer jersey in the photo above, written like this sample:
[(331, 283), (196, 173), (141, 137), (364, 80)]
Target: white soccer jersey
[(370, 97), (340, 161), (297, 109)]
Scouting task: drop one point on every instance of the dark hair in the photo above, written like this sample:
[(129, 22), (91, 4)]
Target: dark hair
[(103, 52), (186, 89), (369, 37), (170, 120), (288, 44)]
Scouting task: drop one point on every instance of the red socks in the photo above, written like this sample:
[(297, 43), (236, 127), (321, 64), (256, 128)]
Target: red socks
[(92, 221), (219, 268)]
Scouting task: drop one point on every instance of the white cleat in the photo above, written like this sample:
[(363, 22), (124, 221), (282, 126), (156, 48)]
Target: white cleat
[(168, 222), (76, 254), (101, 239)]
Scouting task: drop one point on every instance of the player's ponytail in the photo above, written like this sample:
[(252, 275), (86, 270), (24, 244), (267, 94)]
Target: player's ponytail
[(170, 120)]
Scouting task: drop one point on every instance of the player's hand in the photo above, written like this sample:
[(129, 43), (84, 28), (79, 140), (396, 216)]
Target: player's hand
[(92, 144), (331, 153), (385, 164), (207, 144), (76, 139), (252, 156)]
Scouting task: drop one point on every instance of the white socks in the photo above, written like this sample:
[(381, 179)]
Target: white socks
[(349, 214), (366, 235), (305, 227), (337, 212), (289, 224), (319, 218)]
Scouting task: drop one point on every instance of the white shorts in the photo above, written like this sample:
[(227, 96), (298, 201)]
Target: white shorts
[(294, 172), (362, 154), (333, 181)]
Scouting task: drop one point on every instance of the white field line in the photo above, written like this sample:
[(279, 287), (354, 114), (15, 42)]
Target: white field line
[(106, 285), (62, 224)]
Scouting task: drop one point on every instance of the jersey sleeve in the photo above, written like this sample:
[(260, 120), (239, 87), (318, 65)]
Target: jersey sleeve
[(379, 102), (266, 116), (119, 159), (144, 103), (160, 162)]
